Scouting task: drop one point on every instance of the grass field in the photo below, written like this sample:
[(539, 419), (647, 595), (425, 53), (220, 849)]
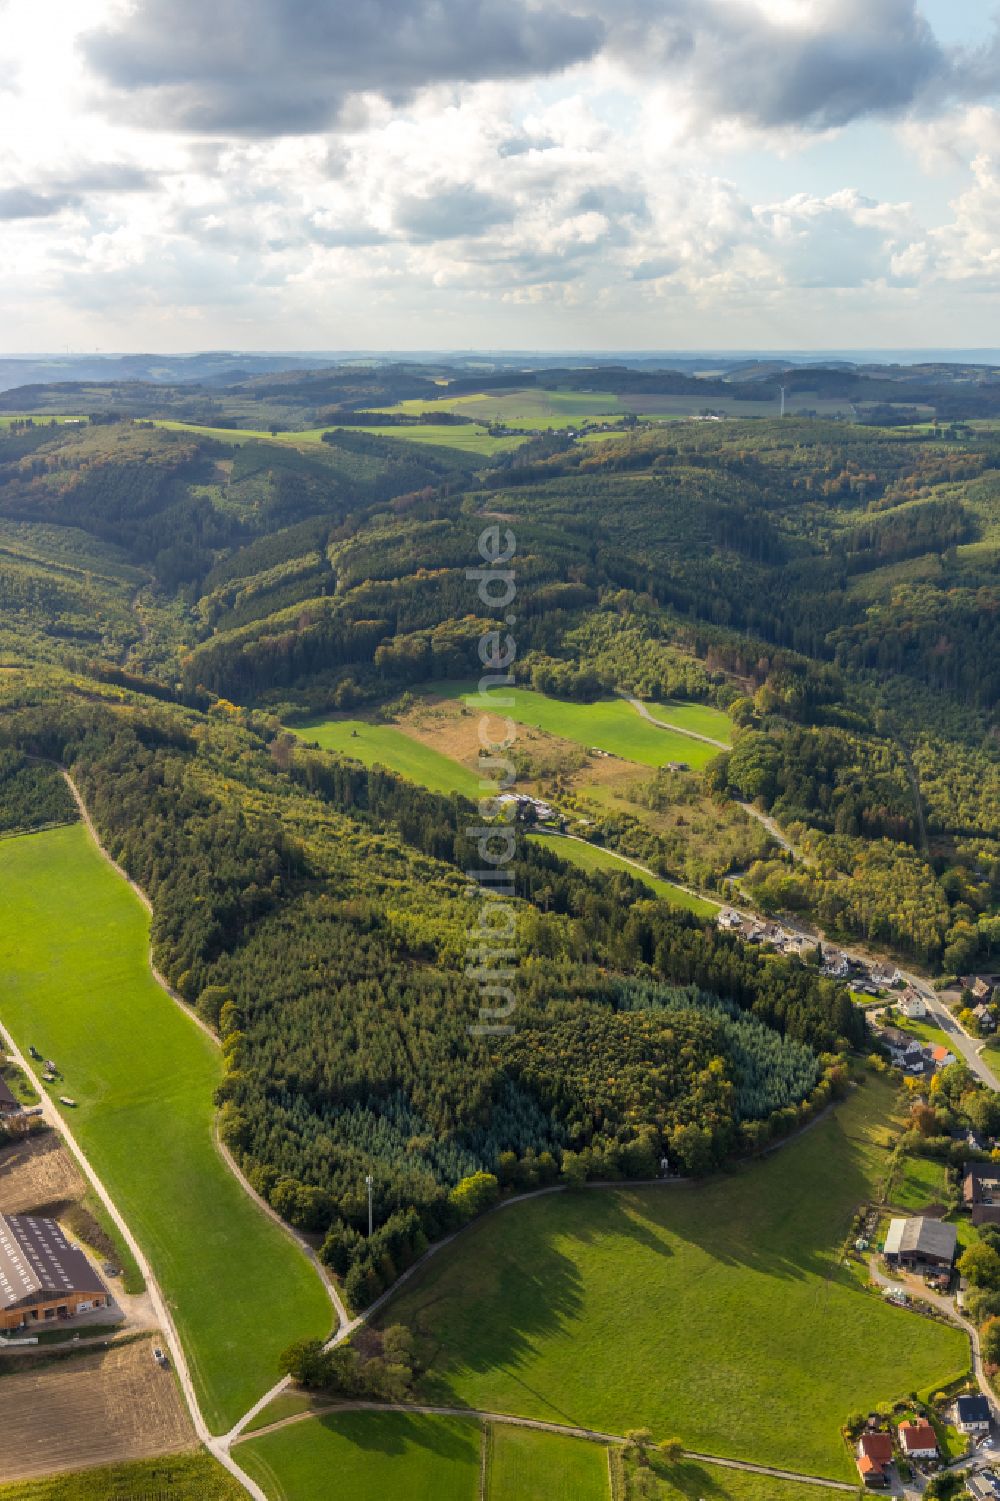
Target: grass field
[(382, 745), (474, 440), (702, 719), (375, 1456), (182, 1477), (527, 408), (590, 857), (525, 1465), (76, 984), (920, 1183), (689, 1481), (718, 1312), (610, 725)]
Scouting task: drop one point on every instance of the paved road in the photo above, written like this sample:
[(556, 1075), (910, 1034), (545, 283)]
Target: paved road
[(594, 1435)]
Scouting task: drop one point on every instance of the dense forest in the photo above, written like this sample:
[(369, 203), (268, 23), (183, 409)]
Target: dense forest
[(171, 603)]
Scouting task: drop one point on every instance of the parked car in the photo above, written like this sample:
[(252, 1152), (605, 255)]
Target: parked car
[(160, 1358)]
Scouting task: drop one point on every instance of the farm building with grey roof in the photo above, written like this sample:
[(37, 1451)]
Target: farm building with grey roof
[(43, 1278)]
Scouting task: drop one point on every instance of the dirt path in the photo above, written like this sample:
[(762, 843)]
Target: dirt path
[(593, 1435), (664, 724), (644, 869)]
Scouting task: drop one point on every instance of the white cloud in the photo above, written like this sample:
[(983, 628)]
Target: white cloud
[(597, 198)]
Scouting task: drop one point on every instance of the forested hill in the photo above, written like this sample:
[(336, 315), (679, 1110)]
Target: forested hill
[(171, 600)]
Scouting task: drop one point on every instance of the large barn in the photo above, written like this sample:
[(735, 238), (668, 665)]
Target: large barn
[(42, 1277)]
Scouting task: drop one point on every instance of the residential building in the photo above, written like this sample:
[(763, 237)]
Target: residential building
[(941, 1057), (921, 1244), (912, 1005), (972, 1414), (875, 1459), (985, 1017), (981, 1192), (42, 1277), (983, 1487), (918, 1440)]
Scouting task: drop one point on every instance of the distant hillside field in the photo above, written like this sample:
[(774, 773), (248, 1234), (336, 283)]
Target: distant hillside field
[(592, 857), (610, 724), (382, 745)]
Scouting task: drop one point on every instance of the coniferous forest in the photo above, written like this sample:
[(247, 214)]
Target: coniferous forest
[(171, 604)]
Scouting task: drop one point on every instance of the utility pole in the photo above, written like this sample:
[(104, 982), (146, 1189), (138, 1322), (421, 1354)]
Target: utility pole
[(368, 1184)]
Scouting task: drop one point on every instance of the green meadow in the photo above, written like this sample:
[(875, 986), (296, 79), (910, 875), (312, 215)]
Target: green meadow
[(610, 725), (528, 408), (382, 745), (718, 1311), (690, 1481), (466, 439), (527, 1465), (473, 440), (367, 1456), (591, 857), (75, 983), (701, 719)]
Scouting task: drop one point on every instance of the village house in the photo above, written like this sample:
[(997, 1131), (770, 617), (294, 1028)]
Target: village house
[(980, 987), (42, 1277), (972, 1414), (941, 1056), (985, 1017), (874, 1459), (921, 1244), (912, 1005), (918, 1440), (981, 1192), (983, 1487)]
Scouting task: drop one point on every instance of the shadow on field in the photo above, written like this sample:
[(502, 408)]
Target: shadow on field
[(689, 1480), (395, 1432)]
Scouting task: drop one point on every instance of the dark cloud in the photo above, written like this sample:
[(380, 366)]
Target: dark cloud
[(107, 177), (848, 60), (521, 143), (25, 203), (451, 214), (279, 67)]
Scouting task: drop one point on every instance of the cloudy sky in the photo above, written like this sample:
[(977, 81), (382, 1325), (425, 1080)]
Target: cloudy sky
[(342, 174)]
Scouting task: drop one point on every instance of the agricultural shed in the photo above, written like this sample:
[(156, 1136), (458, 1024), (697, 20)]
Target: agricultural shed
[(42, 1277)]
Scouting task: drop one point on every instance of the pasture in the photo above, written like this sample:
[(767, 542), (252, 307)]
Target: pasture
[(700, 719), (527, 1465), (530, 407), (463, 438), (591, 857), (382, 745), (76, 983), (182, 1477), (717, 1311), (375, 1456), (610, 725), (690, 1481), (471, 440)]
